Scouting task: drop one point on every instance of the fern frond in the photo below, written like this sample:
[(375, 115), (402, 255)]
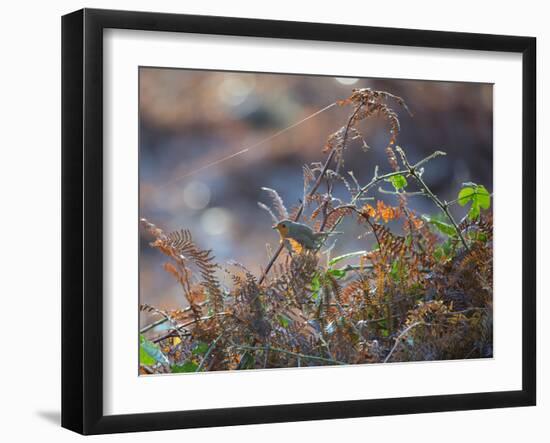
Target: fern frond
[(179, 246), (269, 211), (278, 203)]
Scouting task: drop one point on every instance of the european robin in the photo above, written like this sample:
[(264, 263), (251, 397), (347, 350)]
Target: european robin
[(301, 233)]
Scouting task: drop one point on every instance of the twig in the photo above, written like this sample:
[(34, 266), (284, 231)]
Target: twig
[(324, 342), (413, 171), (312, 191), (147, 369), (271, 262), (339, 161), (400, 336), (284, 351), (376, 179), (427, 159), (167, 316), (266, 356), (183, 326), (208, 352), (370, 266), (153, 325), (162, 320), (353, 325), (404, 194)]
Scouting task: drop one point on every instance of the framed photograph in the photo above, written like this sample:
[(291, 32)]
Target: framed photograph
[(270, 221)]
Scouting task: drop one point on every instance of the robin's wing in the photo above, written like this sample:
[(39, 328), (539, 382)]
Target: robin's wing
[(303, 234)]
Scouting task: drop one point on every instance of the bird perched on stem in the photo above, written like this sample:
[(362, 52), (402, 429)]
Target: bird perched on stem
[(301, 234)]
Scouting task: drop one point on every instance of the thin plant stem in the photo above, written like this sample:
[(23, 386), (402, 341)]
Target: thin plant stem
[(400, 337), (177, 329), (162, 320), (152, 325), (284, 351), (209, 351), (413, 171)]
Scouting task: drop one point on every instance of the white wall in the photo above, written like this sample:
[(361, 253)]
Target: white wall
[(30, 217)]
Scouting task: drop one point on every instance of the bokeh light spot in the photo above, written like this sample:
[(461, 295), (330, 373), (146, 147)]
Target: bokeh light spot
[(234, 91), (196, 195), (216, 221), (346, 80)]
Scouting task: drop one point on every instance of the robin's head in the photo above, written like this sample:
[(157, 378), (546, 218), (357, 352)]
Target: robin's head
[(283, 227)]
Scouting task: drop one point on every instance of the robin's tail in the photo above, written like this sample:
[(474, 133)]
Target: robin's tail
[(321, 235)]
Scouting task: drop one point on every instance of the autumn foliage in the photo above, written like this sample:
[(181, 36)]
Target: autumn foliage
[(423, 292)]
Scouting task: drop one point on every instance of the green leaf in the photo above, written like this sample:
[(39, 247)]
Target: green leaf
[(442, 227), (200, 348), (447, 247), (438, 253), (150, 353), (483, 197), (478, 196), (474, 211), (188, 366), (476, 235), (145, 358), (247, 361), (444, 251), (337, 273), (398, 181), (394, 272), (315, 286), (345, 256), (284, 321), (465, 195)]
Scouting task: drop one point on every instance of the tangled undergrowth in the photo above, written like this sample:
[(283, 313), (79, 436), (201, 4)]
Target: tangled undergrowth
[(424, 292)]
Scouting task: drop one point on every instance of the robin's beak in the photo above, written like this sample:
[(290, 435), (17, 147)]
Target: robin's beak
[(274, 227)]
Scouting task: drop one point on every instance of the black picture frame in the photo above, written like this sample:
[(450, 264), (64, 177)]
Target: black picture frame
[(82, 220)]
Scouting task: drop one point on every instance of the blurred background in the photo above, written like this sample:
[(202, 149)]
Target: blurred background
[(189, 119)]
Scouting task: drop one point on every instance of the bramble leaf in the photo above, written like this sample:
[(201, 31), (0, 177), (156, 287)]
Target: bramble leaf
[(145, 358), (337, 273), (444, 251), (150, 353), (442, 227), (315, 286), (345, 256), (200, 348), (483, 197), (398, 182), (283, 320), (478, 196), (188, 366), (474, 211), (465, 195)]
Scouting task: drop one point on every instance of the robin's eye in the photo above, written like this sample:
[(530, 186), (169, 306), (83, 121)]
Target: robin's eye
[(283, 226)]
